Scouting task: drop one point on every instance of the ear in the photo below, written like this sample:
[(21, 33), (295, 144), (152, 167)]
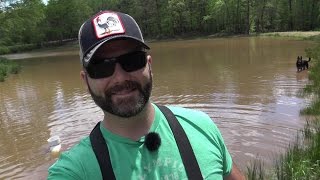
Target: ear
[(149, 62), (149, 59), (84, 78)]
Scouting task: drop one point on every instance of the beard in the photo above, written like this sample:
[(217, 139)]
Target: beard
[(126, 107)]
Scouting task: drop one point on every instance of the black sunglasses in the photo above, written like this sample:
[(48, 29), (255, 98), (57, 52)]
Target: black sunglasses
[(102, 68)]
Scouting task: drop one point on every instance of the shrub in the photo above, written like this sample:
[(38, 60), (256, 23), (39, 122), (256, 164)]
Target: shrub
[(7, 67), (14, 68), (3, 70), (4, 50)]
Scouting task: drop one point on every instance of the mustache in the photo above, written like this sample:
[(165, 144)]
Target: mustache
[(127, 85)]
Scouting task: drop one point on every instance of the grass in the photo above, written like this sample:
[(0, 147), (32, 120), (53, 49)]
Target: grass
[(298, 35), (302, 159), (256, 171), (300, 162), (312, 89), (8, 67)]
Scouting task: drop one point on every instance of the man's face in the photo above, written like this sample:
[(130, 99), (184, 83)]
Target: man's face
[(123, 94)]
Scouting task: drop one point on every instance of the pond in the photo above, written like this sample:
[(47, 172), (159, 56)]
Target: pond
[(248, 85)]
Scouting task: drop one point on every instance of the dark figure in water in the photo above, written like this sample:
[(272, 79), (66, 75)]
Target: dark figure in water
[(302, 64)]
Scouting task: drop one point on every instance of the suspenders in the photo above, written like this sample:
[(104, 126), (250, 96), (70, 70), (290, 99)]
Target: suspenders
[(102, 153), (188, 158)]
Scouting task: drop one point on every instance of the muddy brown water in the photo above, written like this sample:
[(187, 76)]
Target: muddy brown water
[(248, 86)]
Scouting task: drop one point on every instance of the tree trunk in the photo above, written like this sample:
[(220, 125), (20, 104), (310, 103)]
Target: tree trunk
[(312, 18), (290, 16), (248, 17), (238, 29), (158, 17), (227, 20), (262, 14)]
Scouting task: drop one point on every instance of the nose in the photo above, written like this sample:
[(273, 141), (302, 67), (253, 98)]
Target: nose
[(119, 73)]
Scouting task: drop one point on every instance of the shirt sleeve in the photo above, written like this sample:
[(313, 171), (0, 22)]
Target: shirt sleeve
[(227, 159), (227, 166), (64, 168)]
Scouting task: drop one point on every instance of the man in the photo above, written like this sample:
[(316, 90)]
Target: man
[(137, 139)]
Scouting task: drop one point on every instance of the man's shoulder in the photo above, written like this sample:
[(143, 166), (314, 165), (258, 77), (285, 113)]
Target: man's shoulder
[(77, 152), (193, 118), (72, 162), (196, 116), (182, 111), (83, 147), (205, 139)]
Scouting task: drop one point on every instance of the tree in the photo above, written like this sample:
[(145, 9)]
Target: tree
[(314, 14), (64, 18), (98, 5), (32, 22), (33, 15), (179, 14)]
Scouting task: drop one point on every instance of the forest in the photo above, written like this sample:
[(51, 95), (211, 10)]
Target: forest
[(34, 23)]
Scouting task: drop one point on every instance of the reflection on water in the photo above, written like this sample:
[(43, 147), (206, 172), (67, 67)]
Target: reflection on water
[(248, 86)]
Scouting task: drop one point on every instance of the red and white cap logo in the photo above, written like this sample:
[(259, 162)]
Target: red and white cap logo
[(107, 24)]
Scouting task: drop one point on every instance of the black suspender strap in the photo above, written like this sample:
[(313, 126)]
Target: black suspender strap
[(101, 151), (188, 158), (187, 155)]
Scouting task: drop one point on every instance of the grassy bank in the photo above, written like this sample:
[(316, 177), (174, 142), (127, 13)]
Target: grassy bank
[(302, 159), (312, 89), (297, 35), (300, 162), (8, 67), (18, 48)]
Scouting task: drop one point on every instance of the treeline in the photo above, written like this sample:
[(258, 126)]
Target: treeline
[(29, 23)]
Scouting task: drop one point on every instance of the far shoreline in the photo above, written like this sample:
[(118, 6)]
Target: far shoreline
[(71, 45)]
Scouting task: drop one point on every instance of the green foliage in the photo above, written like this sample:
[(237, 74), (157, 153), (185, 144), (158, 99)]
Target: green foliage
[(17, 48), (180, 15), (8, 67), (313, 87), (14, 68), (4, 50), (32, 22), (302, 160), (256, 171), (313, 109), (3, 70), (98, 5), (64, 18), (21, 21)]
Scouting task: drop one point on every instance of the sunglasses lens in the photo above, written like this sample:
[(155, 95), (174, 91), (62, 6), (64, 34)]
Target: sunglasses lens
[(105, 67), (133, 61), (101, 70)]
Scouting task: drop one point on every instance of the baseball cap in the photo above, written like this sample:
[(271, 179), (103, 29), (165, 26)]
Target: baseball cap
[(104, 27)]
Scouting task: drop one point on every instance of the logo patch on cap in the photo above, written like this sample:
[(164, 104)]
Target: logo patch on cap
[(107, 24)]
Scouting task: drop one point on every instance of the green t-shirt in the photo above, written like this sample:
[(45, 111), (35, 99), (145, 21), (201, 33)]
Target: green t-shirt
[(131, 159)]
